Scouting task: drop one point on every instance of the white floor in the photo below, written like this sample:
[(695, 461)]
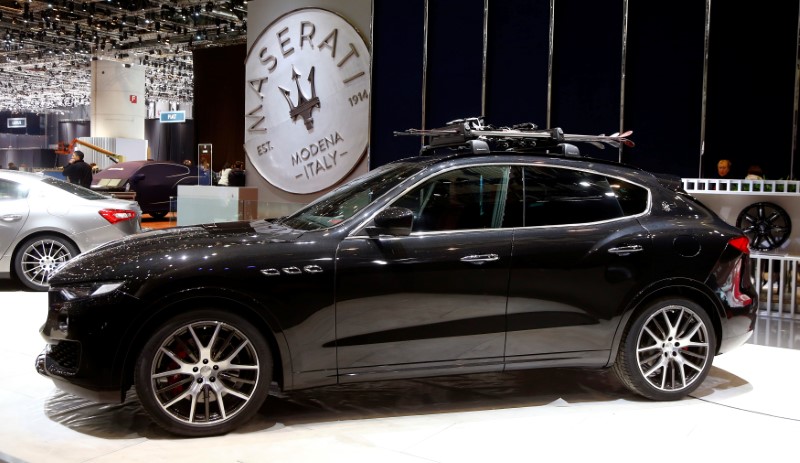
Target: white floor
[(747, 410)]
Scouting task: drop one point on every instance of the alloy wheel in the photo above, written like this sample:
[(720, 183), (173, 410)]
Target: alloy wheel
[(673, 348), (204, 373), (40, 258), (767, 225)]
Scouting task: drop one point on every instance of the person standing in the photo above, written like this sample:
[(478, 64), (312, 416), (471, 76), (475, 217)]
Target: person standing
[(223, 174), (78, 171), (724, 169), (754, 172), (236, 175)]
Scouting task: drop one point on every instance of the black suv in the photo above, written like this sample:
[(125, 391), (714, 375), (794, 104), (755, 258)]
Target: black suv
[(494, 249)]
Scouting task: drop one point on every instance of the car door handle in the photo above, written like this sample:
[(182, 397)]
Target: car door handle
[(11, 217), (624, 250), (480, 258)]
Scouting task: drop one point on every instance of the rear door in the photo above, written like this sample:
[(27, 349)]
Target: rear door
[(578, 260)]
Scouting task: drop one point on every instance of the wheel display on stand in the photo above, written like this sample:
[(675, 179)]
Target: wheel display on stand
[(766, 224)]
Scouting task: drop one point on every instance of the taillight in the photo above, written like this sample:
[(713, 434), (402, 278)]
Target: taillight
[(117, 215), (739, 274), (741, 243)]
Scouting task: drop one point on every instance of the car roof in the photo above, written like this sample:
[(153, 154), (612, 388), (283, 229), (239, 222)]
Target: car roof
[(128, 168), (21, 176)]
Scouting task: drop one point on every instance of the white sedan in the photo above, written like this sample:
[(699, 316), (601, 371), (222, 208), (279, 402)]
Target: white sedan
[(45, 221)]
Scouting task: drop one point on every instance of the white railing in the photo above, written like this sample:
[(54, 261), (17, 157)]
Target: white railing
[(712, 185), (775, 278)]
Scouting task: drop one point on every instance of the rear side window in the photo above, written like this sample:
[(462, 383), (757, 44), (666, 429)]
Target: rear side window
[(555, 196), (632, 198), (73, 189), (12, 190)]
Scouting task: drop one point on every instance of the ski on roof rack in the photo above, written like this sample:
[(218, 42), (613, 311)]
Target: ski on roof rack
[(475, 135)]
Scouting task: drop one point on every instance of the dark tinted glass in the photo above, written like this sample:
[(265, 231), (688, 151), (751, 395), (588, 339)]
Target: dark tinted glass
[(344, 202), (632, 198), (462, 199), (556, 196)]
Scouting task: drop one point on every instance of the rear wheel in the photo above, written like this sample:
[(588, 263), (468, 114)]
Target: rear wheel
[(667, 350), (158, 215), (203, 373), (39, 257)]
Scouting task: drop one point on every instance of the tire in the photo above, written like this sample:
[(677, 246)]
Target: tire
[(158, 215), (232, 367), (37, 258), (667, 350), (767, 225)]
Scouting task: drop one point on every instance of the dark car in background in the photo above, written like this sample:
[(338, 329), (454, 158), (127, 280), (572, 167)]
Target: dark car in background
[(45, 221), (495, 250), (155, 183)]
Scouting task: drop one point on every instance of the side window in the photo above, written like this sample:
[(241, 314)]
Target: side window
[(555, 196), (632, 198), (462, 199), (12, 190)]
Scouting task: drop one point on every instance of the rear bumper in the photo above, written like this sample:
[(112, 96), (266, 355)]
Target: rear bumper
[(738, 330)]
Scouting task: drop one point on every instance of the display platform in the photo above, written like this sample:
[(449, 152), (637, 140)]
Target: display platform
[(748, 409)]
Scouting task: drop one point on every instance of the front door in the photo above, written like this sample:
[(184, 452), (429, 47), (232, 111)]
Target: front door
[(435, 301)]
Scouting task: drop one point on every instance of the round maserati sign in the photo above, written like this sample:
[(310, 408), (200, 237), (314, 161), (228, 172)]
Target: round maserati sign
[(307, 100)]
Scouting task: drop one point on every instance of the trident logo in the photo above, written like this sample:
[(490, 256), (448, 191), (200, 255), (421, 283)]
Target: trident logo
[(305, 105)]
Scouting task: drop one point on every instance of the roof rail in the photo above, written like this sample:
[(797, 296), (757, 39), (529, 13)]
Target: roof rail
[(472, 134)]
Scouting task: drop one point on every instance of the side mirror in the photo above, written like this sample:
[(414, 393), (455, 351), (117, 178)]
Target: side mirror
[(136, 178), (395, 221)]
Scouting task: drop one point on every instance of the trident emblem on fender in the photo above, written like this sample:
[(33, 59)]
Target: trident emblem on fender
[(305, 105)]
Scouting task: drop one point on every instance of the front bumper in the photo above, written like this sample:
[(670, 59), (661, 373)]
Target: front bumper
[(51, 369), (84, 337)]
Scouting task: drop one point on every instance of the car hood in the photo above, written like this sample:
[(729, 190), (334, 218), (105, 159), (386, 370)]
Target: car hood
[(160, 250)]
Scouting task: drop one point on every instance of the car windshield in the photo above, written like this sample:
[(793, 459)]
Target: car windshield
[(71, 188), (342, 203)]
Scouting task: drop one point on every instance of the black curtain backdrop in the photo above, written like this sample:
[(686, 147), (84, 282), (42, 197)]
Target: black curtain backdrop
[(517, 69), (171, 142), (219, 79), (751, 78), (664, 107), (750, 96), (397, 61)]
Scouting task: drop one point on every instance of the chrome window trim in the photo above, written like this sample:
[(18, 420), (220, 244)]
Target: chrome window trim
[(359, 230)]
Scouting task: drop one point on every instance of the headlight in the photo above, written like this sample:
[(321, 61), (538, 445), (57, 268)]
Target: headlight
[(91, 290)]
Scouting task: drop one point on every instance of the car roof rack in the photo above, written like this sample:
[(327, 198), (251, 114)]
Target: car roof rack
[(478, 138)]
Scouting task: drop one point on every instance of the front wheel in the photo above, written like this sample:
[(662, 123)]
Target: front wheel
[(667, 350), (203, 373)]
